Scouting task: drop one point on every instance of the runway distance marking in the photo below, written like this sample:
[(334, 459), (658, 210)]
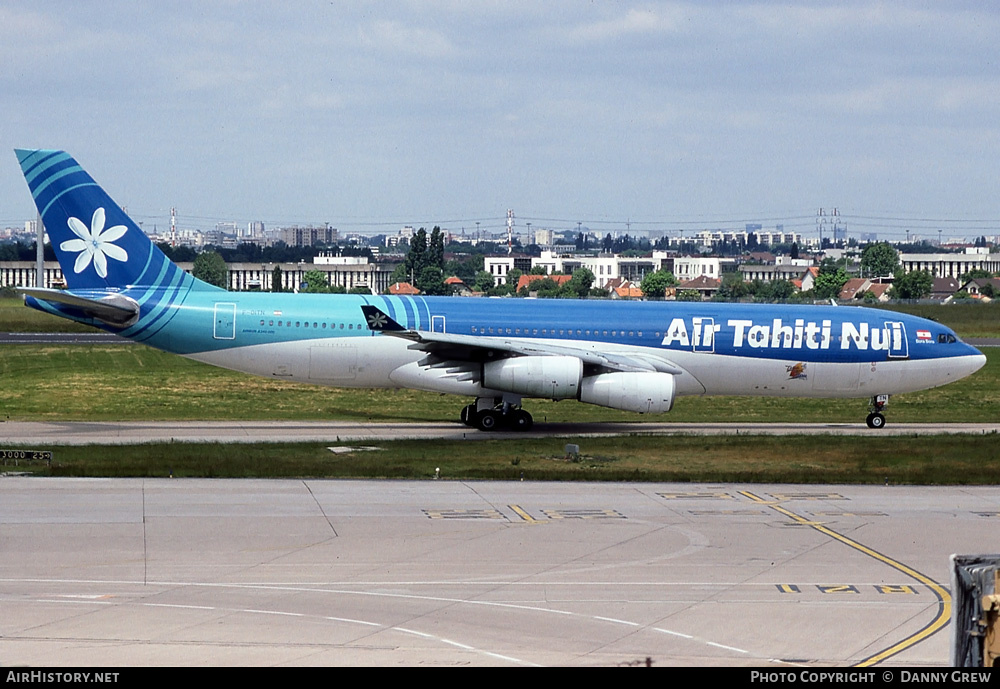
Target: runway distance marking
[(696, 495), (523, 514), (849, 514), (807, 496), (885, 589), (583, 514), (464, 514)]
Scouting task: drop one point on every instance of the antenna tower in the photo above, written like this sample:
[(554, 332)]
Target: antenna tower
[(510, 231)]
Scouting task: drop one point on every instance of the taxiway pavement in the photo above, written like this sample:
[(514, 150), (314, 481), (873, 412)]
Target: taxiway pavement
[(121, 572)]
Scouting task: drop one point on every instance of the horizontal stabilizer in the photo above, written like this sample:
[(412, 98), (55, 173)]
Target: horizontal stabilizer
[(113, 309)]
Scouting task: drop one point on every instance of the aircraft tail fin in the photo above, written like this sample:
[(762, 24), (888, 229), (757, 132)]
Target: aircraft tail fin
[(98, 246)]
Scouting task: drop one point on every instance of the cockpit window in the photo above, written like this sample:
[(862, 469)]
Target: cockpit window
[(946, 338)]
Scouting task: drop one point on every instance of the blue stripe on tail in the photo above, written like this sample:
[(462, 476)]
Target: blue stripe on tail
[(98, 246)]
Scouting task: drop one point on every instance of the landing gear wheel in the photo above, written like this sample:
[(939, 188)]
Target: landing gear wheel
[(468, 415), (520, 420), (487, 420), (875, 420)]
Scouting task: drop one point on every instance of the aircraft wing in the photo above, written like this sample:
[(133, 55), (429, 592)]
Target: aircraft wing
[(445, 348)]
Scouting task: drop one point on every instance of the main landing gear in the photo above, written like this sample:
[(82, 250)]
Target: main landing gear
[(876, 419), (488, 414)]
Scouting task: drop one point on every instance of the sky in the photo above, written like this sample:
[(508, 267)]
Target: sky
[(674, 116)]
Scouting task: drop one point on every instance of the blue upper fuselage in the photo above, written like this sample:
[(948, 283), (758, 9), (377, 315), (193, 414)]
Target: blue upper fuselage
[(188, 322)]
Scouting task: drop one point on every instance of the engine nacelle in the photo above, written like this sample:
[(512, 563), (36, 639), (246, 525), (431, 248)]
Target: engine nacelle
[(552, 377), (646, 393)]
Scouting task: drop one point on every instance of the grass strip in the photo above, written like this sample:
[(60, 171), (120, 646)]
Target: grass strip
[(923, 460)]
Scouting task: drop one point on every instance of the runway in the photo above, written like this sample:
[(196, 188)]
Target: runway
[(41, 433), (223, 572)]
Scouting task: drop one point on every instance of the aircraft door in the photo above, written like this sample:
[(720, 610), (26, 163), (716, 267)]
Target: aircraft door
[(437, 324), (225, 321), (895, 332)]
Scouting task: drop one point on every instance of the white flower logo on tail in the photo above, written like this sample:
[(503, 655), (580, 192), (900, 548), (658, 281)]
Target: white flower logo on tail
[(95, 244)]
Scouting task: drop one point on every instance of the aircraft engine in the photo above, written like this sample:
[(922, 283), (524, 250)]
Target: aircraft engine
[(552, 377), (646, 393)]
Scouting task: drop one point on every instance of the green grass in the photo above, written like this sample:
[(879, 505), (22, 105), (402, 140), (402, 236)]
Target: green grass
[(15, 317), (130, 382), (966, 319), (925, 460)]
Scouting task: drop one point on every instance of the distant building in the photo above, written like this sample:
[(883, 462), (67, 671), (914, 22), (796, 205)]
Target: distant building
[(949, 265), (403, 288), (308, 236), (703, 284), (22, 274)]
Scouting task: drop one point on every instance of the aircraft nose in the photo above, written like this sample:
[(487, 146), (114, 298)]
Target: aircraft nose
[(978, 360), (969, 363)]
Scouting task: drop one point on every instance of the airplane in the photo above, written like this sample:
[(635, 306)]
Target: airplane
[(634, 356)]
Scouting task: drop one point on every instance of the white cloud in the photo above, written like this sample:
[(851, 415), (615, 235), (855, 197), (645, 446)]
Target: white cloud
[(634, 21), (396, 37)]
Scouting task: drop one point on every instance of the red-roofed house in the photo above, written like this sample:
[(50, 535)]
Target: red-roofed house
[(526, 280), (398, 288)]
